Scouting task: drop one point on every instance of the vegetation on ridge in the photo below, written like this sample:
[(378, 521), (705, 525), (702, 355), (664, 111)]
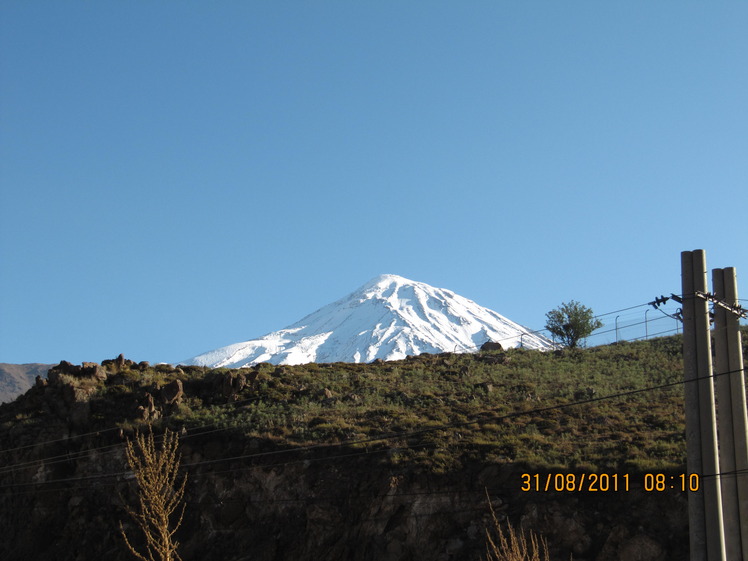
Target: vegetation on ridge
[(549, 410), (572, 323)]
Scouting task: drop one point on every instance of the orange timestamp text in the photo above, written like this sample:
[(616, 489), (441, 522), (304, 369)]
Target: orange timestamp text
[(603, 482)]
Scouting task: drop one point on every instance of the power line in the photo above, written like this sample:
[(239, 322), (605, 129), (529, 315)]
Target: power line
[(391, 436), (622, 310), (113, 429), (115, 447), (72, 455), (102, 431), (69, 456)]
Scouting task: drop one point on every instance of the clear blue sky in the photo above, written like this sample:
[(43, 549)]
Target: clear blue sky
[(179, 176)]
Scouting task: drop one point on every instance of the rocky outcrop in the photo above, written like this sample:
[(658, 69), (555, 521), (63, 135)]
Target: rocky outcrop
[(88, 370), (69, 388), (172, 393), (148, 411), (232, 383), (117, 364)]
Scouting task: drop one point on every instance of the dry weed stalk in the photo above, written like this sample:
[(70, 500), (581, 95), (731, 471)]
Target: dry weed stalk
[(159, 495), (513, 546)]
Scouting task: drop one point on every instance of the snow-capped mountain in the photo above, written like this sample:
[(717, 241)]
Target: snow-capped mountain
[(389, 317)]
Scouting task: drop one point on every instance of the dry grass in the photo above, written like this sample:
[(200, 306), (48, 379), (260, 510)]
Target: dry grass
[(512, 545), (160, 496)]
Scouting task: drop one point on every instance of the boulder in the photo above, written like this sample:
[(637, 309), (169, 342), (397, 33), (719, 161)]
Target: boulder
[(147, 411), (150, 404), (241, 381), (172, 392), (65, 367), (94, 370), (74, 394), (485, 386), (328, 397), (141, 413), (232, 383), (119, 363), (584, 394)]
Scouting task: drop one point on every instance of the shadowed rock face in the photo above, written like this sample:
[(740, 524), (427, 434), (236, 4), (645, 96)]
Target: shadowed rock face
[(360, 508), (172, 392)]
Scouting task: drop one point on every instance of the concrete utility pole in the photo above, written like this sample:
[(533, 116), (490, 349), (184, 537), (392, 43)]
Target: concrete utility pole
[(733, 418), (704, 506)]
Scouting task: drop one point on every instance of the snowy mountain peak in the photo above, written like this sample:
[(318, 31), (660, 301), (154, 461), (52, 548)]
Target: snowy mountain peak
[(386, 279), (392, 283), (389, 317)]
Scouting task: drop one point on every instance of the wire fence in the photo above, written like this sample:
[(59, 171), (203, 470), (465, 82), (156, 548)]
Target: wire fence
[(635, 323), (635, 326)]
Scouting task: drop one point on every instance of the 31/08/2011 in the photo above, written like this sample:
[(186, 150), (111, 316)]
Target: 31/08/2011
[(602, 482)]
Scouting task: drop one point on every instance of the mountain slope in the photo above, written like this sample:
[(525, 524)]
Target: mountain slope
[(15, 379), (388, 318)]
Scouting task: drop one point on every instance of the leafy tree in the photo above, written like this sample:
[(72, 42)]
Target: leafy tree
[(571, 322), (159, 494)]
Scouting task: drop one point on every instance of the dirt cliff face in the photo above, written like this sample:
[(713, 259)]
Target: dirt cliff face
[(359, 507)]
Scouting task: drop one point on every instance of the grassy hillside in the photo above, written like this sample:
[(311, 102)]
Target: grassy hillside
[(376, 461), (588, 409), (500, 407)]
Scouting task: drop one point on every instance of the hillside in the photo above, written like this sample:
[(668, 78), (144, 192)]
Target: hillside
[(338, 460), (16, 379)]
